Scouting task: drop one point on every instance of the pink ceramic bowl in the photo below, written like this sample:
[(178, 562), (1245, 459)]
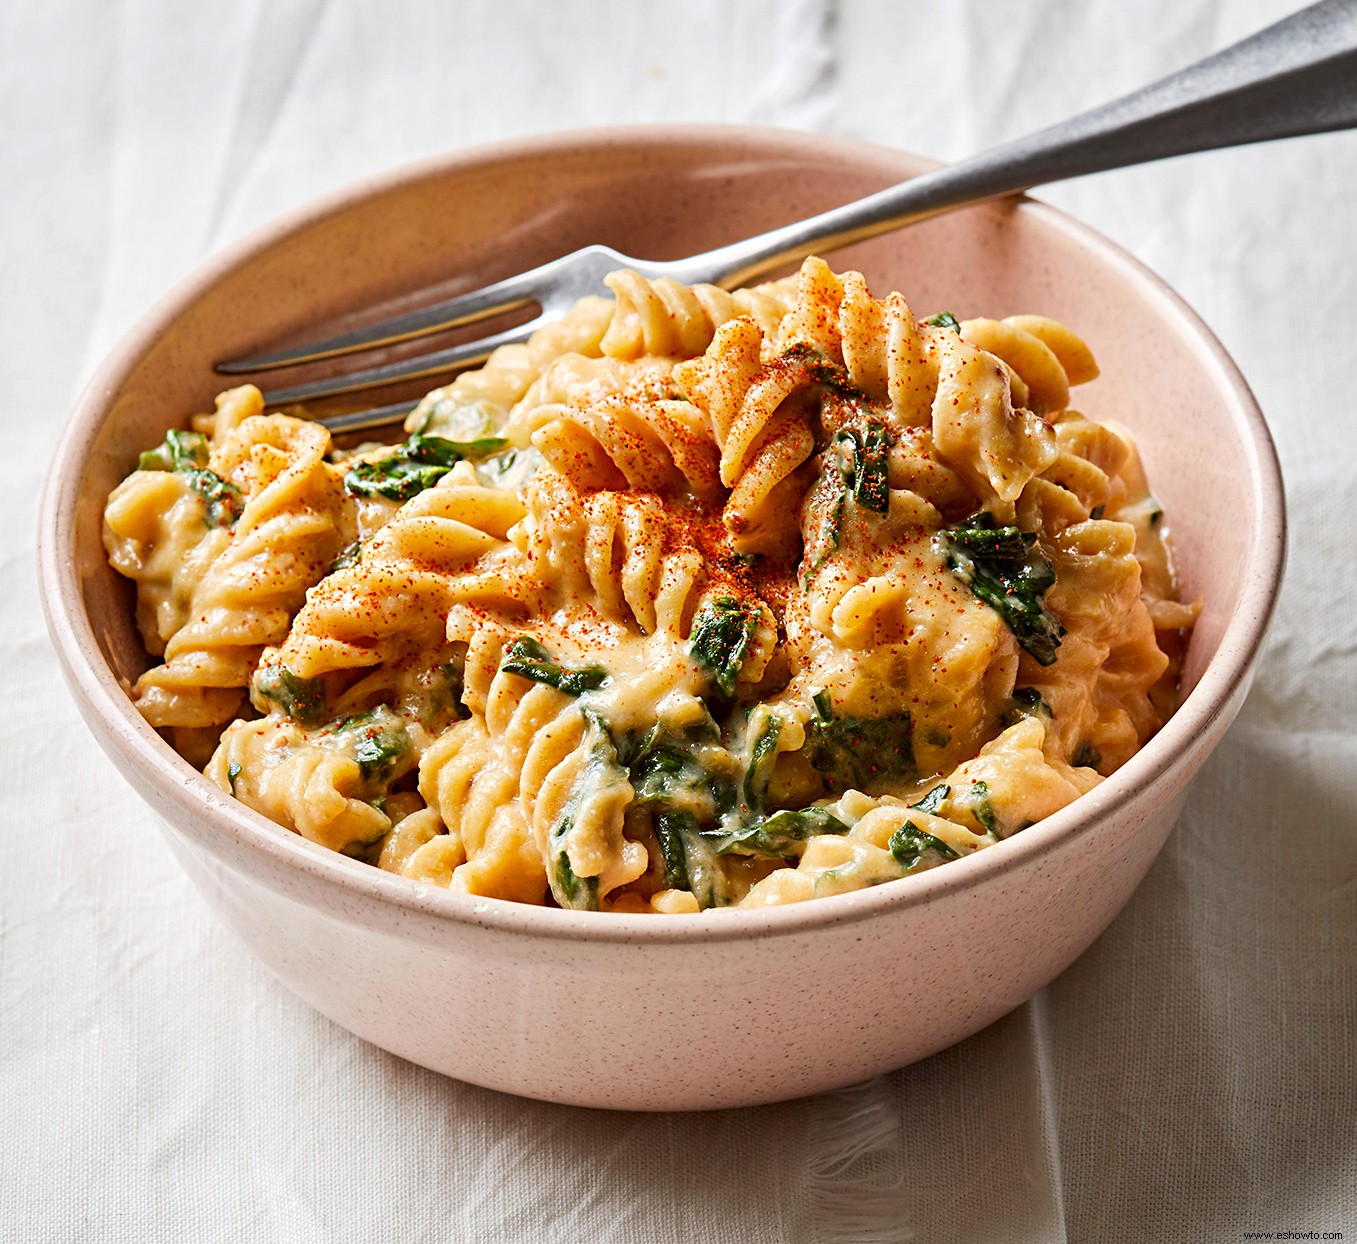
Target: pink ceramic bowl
[(734, 1007)]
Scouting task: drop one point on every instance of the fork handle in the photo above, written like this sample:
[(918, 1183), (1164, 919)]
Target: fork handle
[(1298, 76)]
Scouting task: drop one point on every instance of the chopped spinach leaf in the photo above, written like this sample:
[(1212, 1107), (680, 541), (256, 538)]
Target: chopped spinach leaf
[(870, 487), (528, 659), (414, 466), (180, 451), (299, 698), (762, 758), (224, 502), (600, 773), (232, 772), (349, 555), (666, 770), (912, 847), (933, 801), (1086, 756), (945, 319), (442, 701), (820, 369), (1026, 702), (1001, 566), (673, 829), (185, 453), (978, 800), (722, 632), (827, 537), (378, 741), (1029, 702), (571, 890), (862, 461), (778, 836), (855, 753), (690, 861)]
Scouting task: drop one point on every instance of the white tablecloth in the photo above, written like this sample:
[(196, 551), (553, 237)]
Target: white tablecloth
[(1193, 1077)]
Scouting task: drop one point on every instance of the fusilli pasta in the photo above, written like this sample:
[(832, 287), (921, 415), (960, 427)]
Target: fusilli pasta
[(697, 598)]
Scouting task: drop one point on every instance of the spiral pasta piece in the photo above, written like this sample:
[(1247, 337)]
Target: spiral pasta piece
[(641, 446), (470, 775), (155, 535), (667, 318), (763, 433), (321, 794), (447, 545), (285, 539)]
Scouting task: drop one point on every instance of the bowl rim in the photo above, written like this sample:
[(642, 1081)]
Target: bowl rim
[(124, 731)]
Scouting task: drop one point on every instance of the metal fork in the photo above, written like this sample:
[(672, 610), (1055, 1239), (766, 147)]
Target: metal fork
[(1296, 77)]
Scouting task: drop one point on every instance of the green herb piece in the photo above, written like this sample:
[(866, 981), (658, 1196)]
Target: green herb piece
[(442, 699), (722, 632), (1002, 568), (1156, 516), (414, 466), (862, 462), (1086, 756), (1097, 511), (855, 753), (528, 659), (690, 861), (913, 846), (945, 319), (232, 772), (667, 773), (180, 451), (820, 369), (762, 758), (933, 801), (599, 774), (1029, 702), (510, 469), (779, 836), (668, 778), (571, 890), (870, 487), (349, 555), (673, 829), (377, 740), (827, 536), (185, 453), (977, 799), (224, 503), (299, 698), (1026, 702)]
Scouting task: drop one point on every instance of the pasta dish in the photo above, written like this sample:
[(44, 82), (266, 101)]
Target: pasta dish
[(695, 599)]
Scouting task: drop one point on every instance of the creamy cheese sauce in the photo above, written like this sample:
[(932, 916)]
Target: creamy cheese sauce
[(695, 599)]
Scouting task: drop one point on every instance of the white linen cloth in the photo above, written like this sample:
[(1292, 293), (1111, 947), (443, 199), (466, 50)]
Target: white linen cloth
[(1193, 1077)]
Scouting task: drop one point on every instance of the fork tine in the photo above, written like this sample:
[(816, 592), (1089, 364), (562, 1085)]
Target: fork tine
[(363, 420), (464, 355), (513, 292)]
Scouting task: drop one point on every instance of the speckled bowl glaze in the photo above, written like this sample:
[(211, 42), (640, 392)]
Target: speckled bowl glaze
[(732, 1007)]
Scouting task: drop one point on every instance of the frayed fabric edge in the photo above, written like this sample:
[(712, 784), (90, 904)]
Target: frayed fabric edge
[(853, 1126)]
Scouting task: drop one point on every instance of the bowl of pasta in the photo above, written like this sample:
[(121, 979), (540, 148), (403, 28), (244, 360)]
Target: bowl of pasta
[(723, 696)]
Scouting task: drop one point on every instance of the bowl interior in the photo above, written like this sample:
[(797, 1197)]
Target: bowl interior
[(458, 222)]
